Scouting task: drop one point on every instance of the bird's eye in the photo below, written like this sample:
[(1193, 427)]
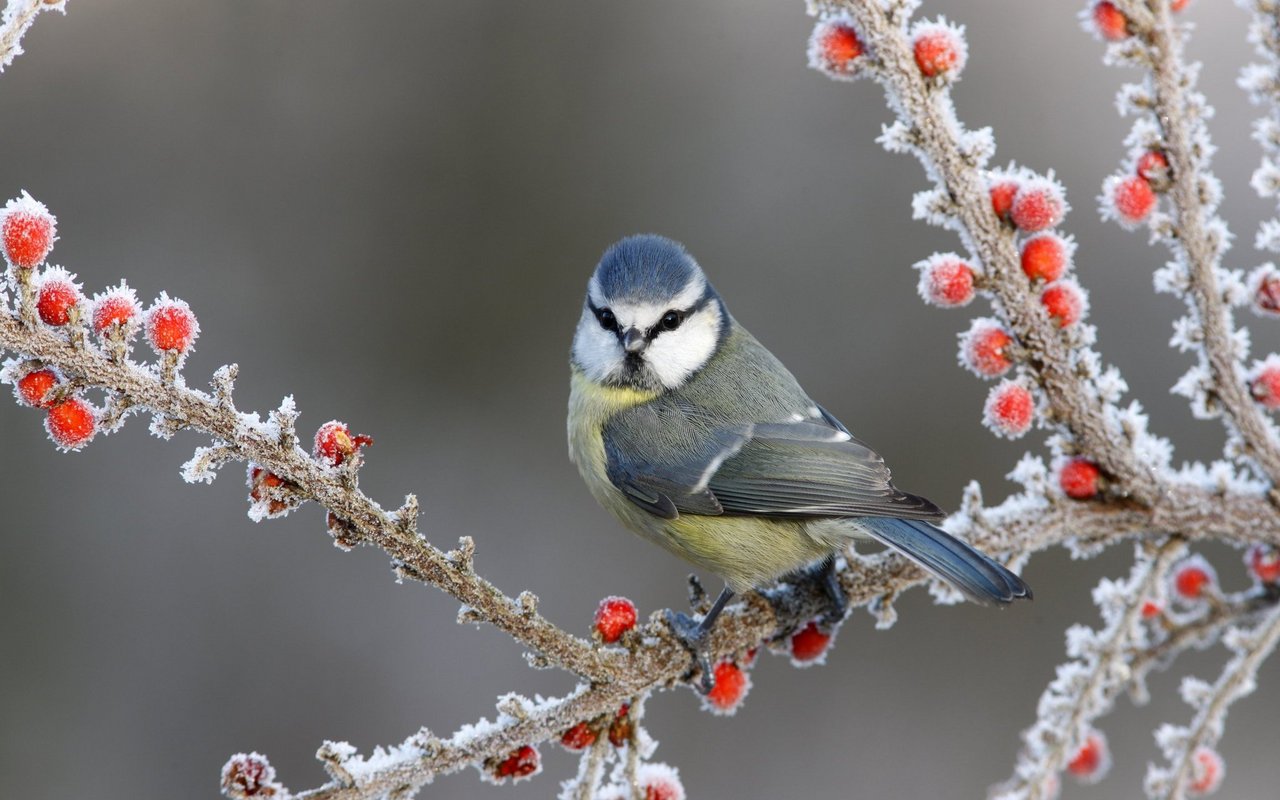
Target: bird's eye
[(607, 320), (671, 320)]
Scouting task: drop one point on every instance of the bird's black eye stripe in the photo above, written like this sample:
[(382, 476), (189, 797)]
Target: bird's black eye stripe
[(606, 319), (671, 320)]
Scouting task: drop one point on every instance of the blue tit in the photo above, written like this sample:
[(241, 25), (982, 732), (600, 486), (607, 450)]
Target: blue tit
[(696, 437)]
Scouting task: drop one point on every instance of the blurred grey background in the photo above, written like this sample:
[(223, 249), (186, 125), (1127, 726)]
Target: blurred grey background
[(390, 212)]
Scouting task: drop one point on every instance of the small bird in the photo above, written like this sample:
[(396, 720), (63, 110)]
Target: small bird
[(696, 437)]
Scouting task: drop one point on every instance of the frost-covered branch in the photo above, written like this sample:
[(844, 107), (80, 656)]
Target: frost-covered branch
[(17, 17)]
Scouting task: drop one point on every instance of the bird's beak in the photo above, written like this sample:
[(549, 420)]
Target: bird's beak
[(634, 341)]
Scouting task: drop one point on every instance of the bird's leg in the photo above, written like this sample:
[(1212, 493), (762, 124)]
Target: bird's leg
[(827, 578), (693, 635)]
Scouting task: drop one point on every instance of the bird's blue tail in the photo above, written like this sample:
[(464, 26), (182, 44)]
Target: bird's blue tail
[(944, 556)]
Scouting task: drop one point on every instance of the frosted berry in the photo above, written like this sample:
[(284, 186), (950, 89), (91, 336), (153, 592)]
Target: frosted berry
[(1110, 22), (249, 775), (1192, 579), (834, 48), (1009, 410), (115, 311), (614, 617), (523, 762), (1264, 563), (1130, 198), (938, 48), (579, 737), (621, 728), (1153, 167), (946, 280), (1064, 303), (1178, 5), (1265, 384), (71, 423), (27, 231), (1002, 194), (265, 492), (984, 349), (56, 297), (33, 388), (1037, 205), (1151, 609), (1080, 479), (1092, 761), (1266, 292), (170, 326), (1045, 257), (1207, 772), (660, 782), (730, 689), (809, 645), (334, 443)]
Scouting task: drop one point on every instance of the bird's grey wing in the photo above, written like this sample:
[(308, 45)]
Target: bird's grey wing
[(811, 469), (668, 482)]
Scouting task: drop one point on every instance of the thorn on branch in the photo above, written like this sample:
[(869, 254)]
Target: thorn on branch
[(224, 385), (463, 558), (333, 757)]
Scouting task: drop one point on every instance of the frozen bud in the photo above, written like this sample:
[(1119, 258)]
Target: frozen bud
[(1207, 772), (28, 231), (71, 423), (614, 617), (1128, 199), (1046, 257), (984, 349), (334, 443), (579, 737), (116, 312), (250, 775), (57, 293), (730, 689), (519, 764), (1153, 167), (1092, 761), (809, 645), (946, 280), (1192, 578), (1080, 479), (269, 494), (1263, 561), (1109, 22), (834, 48), (660, 782), (170, 326), (33, 388), (1064, 303), (1264, 382), (1264, 287), (1037, 205), (1009, 410), (621, 727), (939, 48), (1003, 188)]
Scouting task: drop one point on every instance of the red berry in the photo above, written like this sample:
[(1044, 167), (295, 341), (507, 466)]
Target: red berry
[(1207, 772), (1091, 762), (660, 782), (834, 48), (1080, 479), (262, 484), (579, 737), (1264, 563), (1265, 383), (334, 443), (1002, 194), (621, 728), (71, 423), (809, 645), (1193, 578), (730, 689), (33, 388), (523, 762), (1037, 205), (27, 230), (1064, 303), (1044, 257), (1151, 609), (1009, 410), (115, 309), (938, 49), (945, 280), (55, 298), (614, 617), (1266, 297), (1131, 199), (1178, 5), (249, 775), (1152, 166), (170, 326), (984, 349), (1110, 22)]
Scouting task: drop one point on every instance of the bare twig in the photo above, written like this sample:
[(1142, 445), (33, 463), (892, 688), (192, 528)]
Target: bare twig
[(17, 18)]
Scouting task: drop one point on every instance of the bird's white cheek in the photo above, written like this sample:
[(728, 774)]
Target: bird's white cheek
[(675, 356), (595, 350)]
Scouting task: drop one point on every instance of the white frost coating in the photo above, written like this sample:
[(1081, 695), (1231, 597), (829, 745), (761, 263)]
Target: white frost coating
[(953, 35), (833, 23)]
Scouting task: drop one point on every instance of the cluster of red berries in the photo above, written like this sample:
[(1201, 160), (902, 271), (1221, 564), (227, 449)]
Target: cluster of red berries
[(619, 727), (1193, 580), (836, 50), (27, 234), (520, 764), (248, 775), (1106, 20)]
